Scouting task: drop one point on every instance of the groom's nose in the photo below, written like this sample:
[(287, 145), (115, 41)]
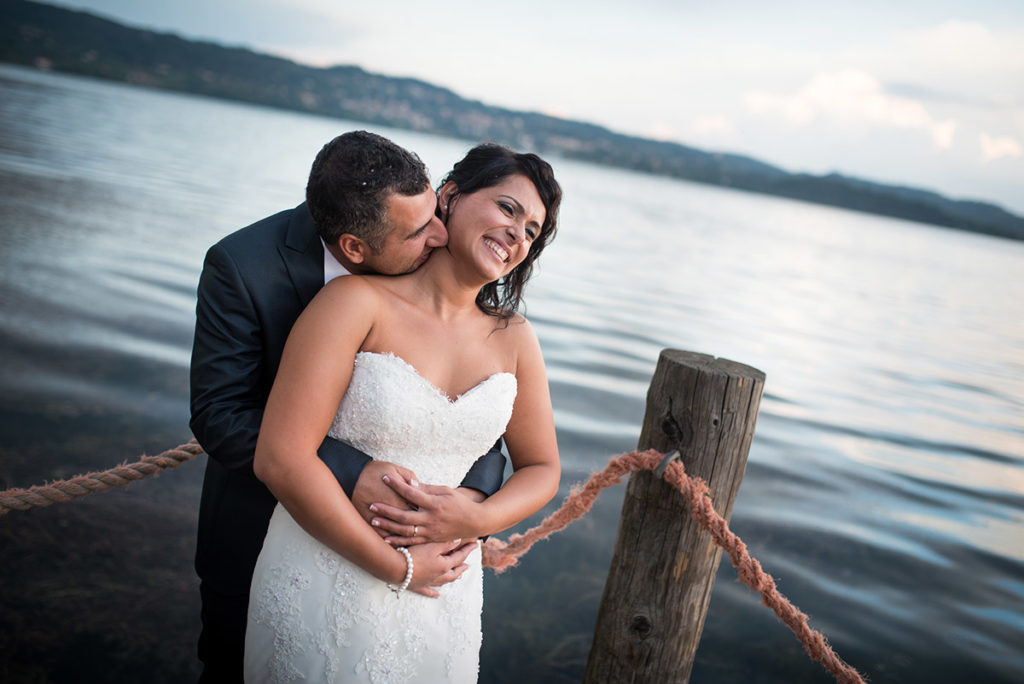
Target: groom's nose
[(438, 234)]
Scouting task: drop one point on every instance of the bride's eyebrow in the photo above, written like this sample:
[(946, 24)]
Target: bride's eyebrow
[(513, 200)]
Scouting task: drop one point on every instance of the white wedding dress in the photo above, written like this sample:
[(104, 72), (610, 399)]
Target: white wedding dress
[(316, 617)]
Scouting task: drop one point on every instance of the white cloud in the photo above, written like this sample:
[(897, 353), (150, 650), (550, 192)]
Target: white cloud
[(953, 62), (996, 148), (559, 111), (851, 96), (942, 133), (968, 49), (660, 130), (713, 127)]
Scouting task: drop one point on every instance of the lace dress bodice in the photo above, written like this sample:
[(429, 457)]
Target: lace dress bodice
[(316, 617), (392, 413)]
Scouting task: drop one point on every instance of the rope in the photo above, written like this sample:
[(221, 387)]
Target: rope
[(501, 555), (90, 483)]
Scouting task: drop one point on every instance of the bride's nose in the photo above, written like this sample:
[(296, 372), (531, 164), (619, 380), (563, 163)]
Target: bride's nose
[(516, 232)]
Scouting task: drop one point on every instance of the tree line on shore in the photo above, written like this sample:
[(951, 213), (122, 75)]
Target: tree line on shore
[(49, 37)]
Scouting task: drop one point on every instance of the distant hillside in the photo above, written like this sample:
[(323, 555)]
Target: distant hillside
[(53, 38)]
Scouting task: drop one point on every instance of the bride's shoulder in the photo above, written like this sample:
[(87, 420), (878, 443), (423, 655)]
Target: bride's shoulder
[(519, 323), (523, 348), (351, 295), (520, 334), (352, 288)]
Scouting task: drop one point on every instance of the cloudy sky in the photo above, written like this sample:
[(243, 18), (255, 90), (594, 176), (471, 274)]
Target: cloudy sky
[(929, 94)]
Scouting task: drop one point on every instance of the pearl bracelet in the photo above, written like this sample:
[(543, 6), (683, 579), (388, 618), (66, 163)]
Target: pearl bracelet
[(408, 572)]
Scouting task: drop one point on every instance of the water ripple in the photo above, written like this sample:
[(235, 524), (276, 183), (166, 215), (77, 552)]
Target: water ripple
[(885, 482)]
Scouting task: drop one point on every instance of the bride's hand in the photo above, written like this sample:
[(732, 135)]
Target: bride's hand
[(370, 488), (436, 564), (431, 513)]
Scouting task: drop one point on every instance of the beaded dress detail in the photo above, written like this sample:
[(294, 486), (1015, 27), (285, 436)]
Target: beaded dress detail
[(316, 617)]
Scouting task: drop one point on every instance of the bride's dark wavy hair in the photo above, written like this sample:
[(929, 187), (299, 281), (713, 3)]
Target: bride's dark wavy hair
[(485, 166)]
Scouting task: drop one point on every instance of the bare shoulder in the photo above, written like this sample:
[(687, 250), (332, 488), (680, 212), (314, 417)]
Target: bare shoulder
[(346, 302), (351, 286), (521, 337), (520, 329), (353, 291)]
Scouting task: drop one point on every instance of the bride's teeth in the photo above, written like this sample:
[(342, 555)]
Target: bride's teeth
[(496, 248)]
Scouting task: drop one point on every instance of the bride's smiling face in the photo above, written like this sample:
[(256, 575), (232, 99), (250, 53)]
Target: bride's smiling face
[(493, 228)]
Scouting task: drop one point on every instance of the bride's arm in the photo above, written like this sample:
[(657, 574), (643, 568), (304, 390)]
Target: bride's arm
[(315, 371), (530, 438)]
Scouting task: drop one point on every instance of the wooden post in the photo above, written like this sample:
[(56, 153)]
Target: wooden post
[(659, 584)]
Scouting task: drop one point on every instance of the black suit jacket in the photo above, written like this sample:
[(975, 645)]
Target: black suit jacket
[(254, 284)]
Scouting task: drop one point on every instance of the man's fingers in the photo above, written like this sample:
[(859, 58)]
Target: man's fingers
[(371, 487), (417, 494), (405, 473)]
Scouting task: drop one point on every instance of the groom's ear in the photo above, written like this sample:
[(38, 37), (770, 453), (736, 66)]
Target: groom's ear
[(353, 248)]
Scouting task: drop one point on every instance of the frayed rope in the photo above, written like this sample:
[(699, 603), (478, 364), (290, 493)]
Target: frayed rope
[(500, 555), (91, 483)]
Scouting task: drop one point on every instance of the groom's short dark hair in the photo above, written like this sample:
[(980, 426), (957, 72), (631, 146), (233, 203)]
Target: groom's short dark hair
[(351, 180)]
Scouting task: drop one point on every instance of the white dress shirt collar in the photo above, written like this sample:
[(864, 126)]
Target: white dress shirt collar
[(332, 267)]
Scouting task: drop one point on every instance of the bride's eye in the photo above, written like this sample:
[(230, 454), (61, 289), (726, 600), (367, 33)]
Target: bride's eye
[(507, 208)]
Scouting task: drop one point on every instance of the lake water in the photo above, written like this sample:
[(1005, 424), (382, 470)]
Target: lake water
[(885, 484)]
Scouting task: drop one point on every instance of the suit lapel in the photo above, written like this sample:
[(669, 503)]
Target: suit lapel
[(303, 254)]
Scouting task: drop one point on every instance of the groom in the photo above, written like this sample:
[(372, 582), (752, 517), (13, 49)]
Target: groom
[(369, 209)]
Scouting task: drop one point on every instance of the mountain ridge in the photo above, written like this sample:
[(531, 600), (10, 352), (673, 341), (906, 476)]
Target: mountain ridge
[(36, 34)]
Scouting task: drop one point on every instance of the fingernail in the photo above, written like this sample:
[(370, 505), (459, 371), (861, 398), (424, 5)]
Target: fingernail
[(373, 507), (414, 483), (375, 522), (385, 478), (457, 542)]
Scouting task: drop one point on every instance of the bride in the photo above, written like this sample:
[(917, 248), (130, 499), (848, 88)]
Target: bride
[(426, 371)]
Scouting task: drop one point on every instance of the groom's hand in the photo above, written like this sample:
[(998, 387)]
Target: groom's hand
[(433, 513), (371, 488)]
